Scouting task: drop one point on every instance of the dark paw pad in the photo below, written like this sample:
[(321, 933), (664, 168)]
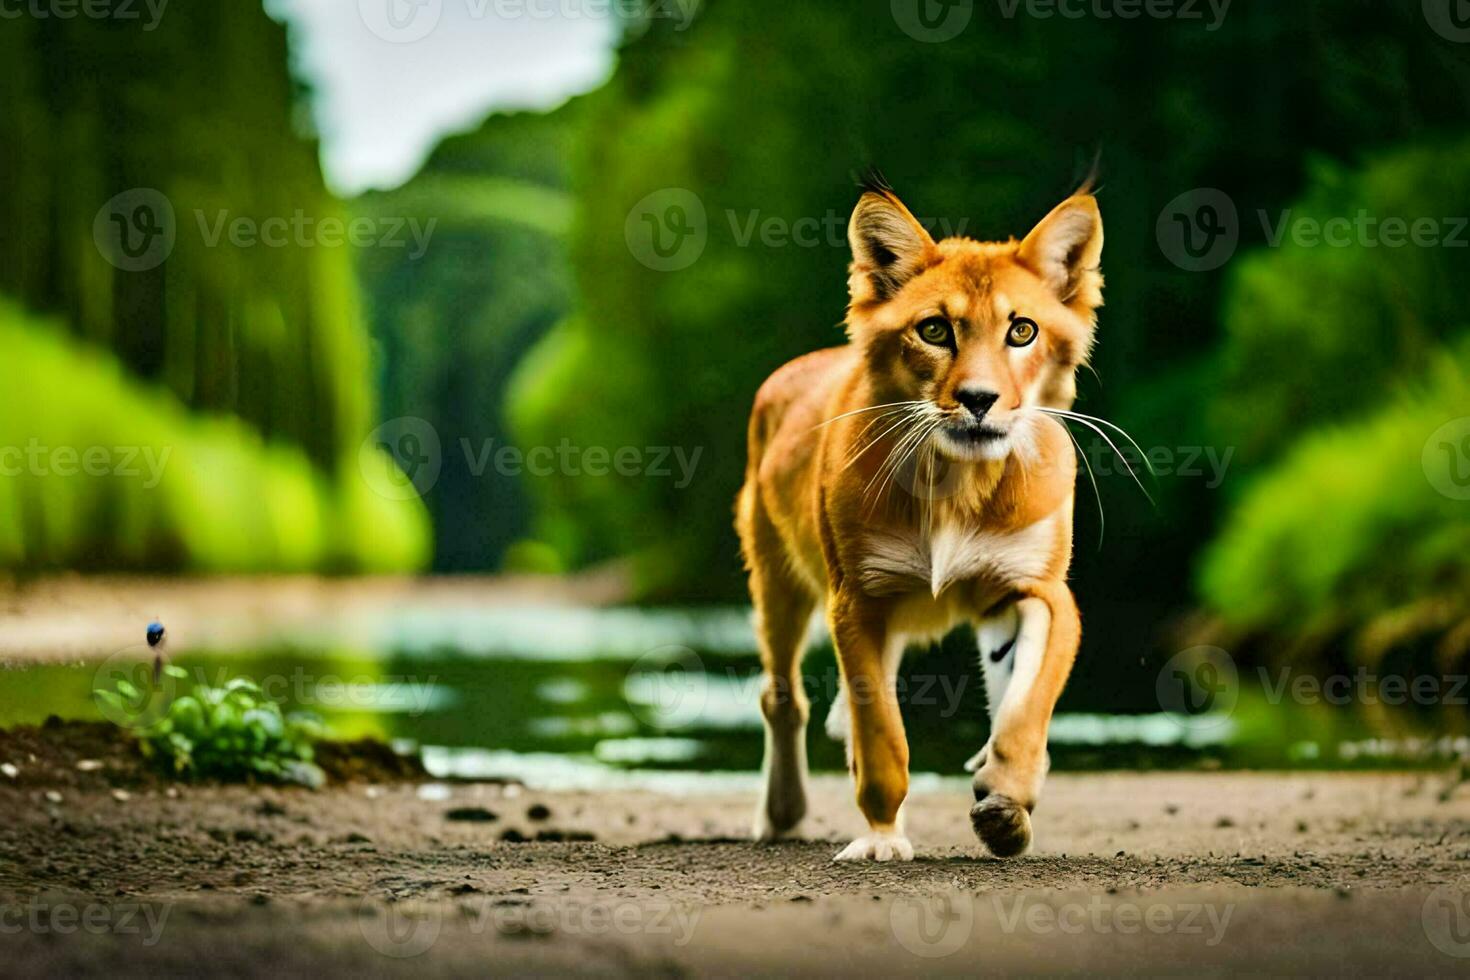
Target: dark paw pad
[(1002, 825)]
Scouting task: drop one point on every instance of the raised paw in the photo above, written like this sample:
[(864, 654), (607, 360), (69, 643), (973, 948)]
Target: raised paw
[(1002, 824), (878, 847)]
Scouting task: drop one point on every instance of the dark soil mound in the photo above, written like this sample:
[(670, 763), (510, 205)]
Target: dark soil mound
[(93, 755), (367, 760)]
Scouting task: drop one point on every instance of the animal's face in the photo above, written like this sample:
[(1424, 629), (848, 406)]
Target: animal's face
[(977, 334)]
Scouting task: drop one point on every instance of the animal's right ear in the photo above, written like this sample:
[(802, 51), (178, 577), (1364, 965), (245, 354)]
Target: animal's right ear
[(889, 246)]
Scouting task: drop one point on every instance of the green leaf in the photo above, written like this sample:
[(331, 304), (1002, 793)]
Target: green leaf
[(187, 714)]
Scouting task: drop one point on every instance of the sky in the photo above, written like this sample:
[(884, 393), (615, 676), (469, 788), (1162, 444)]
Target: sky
[(392, 77)]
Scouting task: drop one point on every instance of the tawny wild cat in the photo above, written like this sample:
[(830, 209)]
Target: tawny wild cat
[(915, 479)]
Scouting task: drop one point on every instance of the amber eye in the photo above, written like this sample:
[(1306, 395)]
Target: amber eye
[(1022, 332), (936, 331)]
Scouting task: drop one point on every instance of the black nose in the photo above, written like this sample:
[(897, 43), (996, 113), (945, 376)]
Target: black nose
[(977, 400)]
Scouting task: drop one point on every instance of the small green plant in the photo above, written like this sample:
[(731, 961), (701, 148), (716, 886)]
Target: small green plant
[(234, 732)]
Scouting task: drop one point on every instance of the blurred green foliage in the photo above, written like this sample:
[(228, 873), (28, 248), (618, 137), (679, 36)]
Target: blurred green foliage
[(1353, 306), (1340, 365), (248, 364), (164, 488), (450, 325), (533, 321), (764, 111), (1345, 536)]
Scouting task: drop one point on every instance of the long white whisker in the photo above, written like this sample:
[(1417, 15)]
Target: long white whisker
[(1102, 520), (897, 455), (898, 445), (1112, 445), (863, 448), (933, 473), (913, 445), (907, 420), (906, 417), (860, 411), (1112, 425), (929, 492)]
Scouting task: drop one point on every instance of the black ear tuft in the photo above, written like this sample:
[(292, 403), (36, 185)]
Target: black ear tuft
[(1090, 181), (872, 179)]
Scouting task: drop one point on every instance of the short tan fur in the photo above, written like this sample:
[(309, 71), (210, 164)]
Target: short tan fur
[(911, 481)]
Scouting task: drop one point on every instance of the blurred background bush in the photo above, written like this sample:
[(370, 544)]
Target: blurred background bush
[(1318, 372)]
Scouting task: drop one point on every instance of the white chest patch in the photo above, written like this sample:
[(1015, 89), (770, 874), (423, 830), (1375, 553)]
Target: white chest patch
[(897, 562)]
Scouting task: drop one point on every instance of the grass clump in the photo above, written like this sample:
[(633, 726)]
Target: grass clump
[(232, 733)]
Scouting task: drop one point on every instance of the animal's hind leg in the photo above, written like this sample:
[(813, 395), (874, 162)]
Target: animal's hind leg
[(783, 609)]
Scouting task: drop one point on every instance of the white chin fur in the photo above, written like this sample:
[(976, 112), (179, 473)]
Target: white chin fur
[(971, 452)]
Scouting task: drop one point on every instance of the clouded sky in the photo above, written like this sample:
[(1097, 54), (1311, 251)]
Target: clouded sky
[(393, 76)]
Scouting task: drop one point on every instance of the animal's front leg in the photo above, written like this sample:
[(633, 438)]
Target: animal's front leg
[(880, 752), (839, 718), (996, 639), (1008, 783)]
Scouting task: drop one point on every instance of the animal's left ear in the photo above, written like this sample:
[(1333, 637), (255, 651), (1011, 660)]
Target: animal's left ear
[(1065, 250)]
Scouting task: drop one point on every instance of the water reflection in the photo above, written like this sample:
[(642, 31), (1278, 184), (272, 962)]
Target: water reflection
[(582, 697)]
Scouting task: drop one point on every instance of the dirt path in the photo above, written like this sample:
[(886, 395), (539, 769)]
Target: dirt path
[(1166, 873)]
